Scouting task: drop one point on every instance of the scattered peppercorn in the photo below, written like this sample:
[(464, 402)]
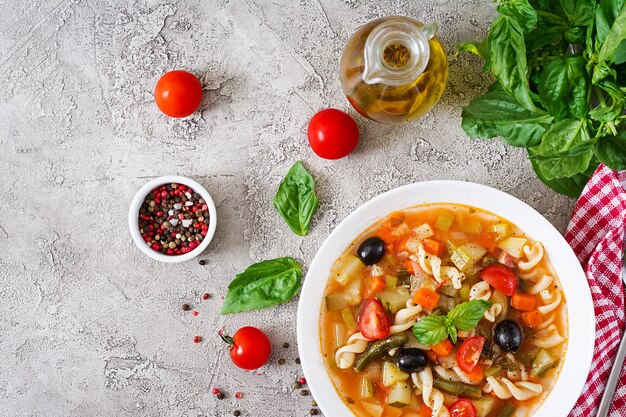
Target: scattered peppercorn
[(173, 219), (202, 262), (349, 400), (313, 403), (239, 395), (215, 391), (303, 380), (206, 296), (286, 345), (313, 412), (220, 396), (197, 339), (195, 313), (281, 361), (304, 392), (237, 413), (296, 385), (186, 307), (298, 361)]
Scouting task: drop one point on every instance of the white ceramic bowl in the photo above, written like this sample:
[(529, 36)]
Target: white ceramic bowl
[(133, 217), (581, 319)]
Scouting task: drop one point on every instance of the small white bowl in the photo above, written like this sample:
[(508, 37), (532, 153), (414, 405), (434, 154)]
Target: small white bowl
[(133, 218), (581, 318)]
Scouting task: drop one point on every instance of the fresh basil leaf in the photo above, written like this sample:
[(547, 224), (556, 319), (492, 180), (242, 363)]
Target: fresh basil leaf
[(497, 113), (565, 164), (451, 330), (569, 186), (615, 36), (508, 59), (564, 87), (606, 13), (600, 71), (431, 330), (264, 284), (619, 56), (541, 37), (477, 48), (579, 12), (562, 137), (295, 199), (466, 316), (521, 11), (606, 114), (611, 150)]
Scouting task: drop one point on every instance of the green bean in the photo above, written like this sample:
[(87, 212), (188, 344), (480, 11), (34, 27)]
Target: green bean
[(379, 348), (507, 411), (457, 388)]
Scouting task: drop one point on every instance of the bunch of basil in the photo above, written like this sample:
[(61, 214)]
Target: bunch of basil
[(560, 67)]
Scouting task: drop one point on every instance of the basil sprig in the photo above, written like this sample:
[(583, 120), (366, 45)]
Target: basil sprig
[(295, 199), (435, 329), (264, 284), (560, 89)]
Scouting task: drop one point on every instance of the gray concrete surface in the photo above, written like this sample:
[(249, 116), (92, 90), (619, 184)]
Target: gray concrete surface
[(89, 326)]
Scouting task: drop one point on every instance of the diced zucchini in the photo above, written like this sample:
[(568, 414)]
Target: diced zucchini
[(394, 300), (507, 411), (391, 282), (451, 246), (464, 292), (400, 395), (484, 406), (542, 364), (424, 231), (472, 226), (335, 302), (467, 255), (493, 370), (513, 245), (348, 268), (341, 335), (374, 409), (367, 388), (449, 290), (348, 319), (352, 293), (444, 221), (502, 231), (392, 374)]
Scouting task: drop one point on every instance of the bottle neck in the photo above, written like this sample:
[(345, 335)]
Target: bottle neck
[(396, 52)]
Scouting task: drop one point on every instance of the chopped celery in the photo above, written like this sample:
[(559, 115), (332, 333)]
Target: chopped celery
[(394, 300), (348, 268), (348, 319), (467, 255), (513, 245), (367, 388), (451, 246), (341, 335), (464, 292), (508, 411), (335, 302), (424, 231), (542, 364), (392, 374), (484, 406), (391, 282), (460, 259), (374, 409), (400, 395), (444, 221), (492, 371), (352, 294), (502, 230)]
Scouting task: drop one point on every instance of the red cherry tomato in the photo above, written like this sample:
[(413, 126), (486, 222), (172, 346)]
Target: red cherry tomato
[(468, 354), (178, 93), (501, 278), (249, 347), (463, 408), (373, 320), (332, 134)]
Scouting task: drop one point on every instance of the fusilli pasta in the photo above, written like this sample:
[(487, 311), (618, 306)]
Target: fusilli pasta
[(504, 388), (432, 397)]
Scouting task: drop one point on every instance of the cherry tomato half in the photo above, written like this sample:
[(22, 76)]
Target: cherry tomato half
[(463, 408), (501, 278), (178, 93), (468, 354), (373, 320), (332, 134), (249, 347)]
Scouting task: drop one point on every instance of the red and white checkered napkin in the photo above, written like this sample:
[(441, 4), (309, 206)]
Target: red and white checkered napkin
[(596, 233)]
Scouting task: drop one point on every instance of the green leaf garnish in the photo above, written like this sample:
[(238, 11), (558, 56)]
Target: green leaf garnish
[(466, 315), (431, 330), (295, 199)]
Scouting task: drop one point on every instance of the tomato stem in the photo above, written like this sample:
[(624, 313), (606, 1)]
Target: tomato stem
[(226, 339)]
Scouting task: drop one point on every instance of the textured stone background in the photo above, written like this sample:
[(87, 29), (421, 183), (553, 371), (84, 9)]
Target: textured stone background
[(89, 326)]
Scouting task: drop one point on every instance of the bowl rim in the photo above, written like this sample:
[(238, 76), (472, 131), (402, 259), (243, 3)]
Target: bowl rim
[(133, 217), (581, 337)]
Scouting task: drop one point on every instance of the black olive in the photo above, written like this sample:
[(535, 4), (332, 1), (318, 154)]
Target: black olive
[(508, 335), (371, 250), (411, 359)]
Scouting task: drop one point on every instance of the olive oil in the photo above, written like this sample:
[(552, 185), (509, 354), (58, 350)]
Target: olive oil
[(393, 70)]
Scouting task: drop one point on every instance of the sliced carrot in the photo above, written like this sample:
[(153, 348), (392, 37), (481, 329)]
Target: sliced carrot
[(408, 265), (401, 244), (386, 236), (425, 410), (523, 302), (477, 375), (531, 318), (394, 220), (426, 297), (376, 285), (433, 246), (442, 349), (432, 356), (487, 240)]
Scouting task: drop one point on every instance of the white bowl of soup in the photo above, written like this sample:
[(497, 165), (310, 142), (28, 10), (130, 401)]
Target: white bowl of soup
[(445, 298)]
